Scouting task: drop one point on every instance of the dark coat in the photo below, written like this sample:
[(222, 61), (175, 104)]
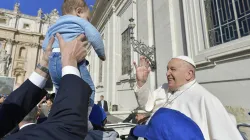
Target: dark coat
[(18, 104), (68, 116), (105, 107)]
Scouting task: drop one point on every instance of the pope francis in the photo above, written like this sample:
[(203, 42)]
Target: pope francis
[(185, 94)]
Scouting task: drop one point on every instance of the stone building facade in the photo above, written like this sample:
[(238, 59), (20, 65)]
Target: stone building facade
[(21, 38), (215, 33)]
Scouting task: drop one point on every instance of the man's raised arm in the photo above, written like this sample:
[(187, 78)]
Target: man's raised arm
[(21, 101)]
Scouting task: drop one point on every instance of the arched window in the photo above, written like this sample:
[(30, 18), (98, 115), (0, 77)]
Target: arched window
[(22, 52)]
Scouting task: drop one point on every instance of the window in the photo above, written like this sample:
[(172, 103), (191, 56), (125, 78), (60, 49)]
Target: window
[(22, 53), (227, 20), (126, 52), (100, 71), (26, 26), (216, 30), (3, 21)]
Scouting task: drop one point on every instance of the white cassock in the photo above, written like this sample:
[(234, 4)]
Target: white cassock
[(195, 102)]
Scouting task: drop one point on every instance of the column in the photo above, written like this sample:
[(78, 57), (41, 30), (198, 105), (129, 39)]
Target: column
[(16, 19), (135, 55), (9, 46), (13, 51), (32, 56), (177, 29), (113, 90), (38, 25), (38, 20), (107, 65), (13, 22), (151, 39), (19, 78)]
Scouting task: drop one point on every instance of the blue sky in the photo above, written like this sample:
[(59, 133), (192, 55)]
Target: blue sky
[(31, 7)]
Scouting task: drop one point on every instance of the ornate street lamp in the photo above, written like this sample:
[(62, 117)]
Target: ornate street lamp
[(141, 48)]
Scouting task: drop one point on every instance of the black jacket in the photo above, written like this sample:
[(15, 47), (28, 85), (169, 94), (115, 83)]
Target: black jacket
[(26, 128), (18, 104), (68, 116), (105, 106)]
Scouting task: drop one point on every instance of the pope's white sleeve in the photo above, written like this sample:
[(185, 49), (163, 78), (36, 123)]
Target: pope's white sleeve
[(145, 97)]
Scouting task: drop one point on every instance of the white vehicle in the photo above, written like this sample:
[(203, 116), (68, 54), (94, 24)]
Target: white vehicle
[(122, 129)]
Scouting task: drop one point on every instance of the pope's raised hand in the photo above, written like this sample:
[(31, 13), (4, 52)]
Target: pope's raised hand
[(142, 71)]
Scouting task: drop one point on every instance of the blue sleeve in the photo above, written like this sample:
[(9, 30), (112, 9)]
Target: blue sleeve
[(94, 37), (46, 41)]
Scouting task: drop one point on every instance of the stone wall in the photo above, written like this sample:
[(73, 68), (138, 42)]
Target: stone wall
[(21, 36)]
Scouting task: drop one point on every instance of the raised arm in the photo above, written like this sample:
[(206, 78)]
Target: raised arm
[(68, 116), (142, 90), (70, 107), (94, 37)]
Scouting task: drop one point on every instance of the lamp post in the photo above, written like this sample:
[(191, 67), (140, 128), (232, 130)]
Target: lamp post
[(141, 48)]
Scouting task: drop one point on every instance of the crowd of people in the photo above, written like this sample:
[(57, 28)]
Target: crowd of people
[(181, 109)]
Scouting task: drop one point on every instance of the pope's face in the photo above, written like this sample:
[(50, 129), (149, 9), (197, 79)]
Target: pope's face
[(177, 74)]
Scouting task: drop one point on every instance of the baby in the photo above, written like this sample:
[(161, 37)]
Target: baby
[(75, 21)]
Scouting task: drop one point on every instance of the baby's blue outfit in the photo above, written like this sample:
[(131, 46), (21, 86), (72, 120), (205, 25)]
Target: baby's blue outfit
[(70, 27)]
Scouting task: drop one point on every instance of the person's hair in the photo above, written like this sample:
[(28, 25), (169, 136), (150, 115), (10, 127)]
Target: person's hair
[(50, 97), (101, 96), (70, 5), (32, 116)]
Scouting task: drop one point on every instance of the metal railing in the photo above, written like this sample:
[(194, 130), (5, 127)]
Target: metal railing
[(246, 125)]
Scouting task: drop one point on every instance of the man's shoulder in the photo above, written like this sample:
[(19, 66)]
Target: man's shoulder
[(199, 90), (28, 127), (20, 132)]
